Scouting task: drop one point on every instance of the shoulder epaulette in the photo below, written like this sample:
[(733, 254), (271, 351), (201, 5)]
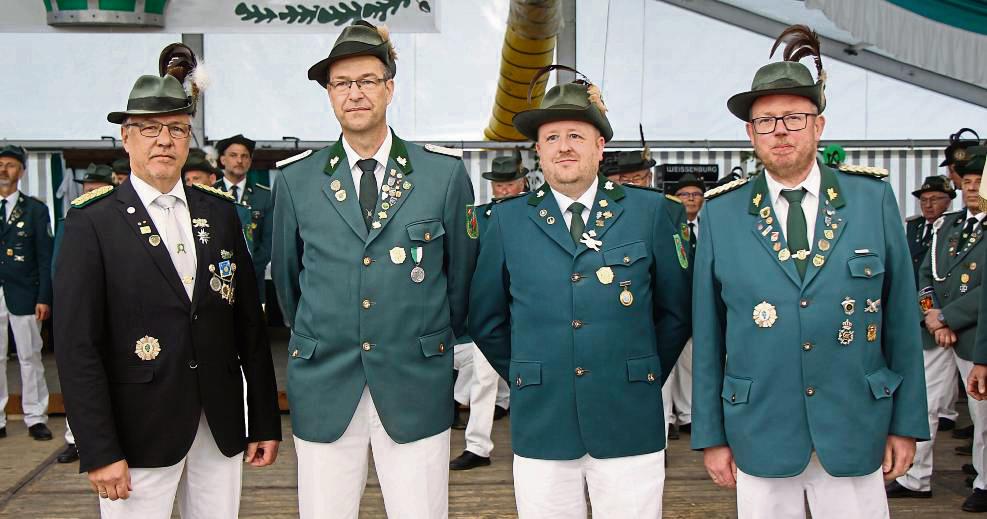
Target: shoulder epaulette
[(442, 150), (90, 197), (913, 218), (867, 171), (294, 158), (725, 188), (218, 193), (674, 198), (262, 186)]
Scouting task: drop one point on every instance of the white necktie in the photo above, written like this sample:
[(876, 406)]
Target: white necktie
[(178, 243)]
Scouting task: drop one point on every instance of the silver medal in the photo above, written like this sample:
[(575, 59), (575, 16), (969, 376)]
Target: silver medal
[(418, 274)]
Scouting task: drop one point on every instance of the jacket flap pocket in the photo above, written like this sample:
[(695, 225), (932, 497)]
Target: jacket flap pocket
[(437, 343), (525, 373), (625, 254), (301, 347), (425, 231), (132, 374), (883, 383), (736, 390), (865, 266), (643, 369)]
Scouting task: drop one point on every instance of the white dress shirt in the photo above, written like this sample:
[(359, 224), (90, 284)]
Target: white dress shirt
[(148, 194), (381, 156), (586, 199), (11, 202), (240, 186), (810, 202)]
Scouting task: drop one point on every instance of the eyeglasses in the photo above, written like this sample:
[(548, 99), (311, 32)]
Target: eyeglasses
[(364, 85), (177, 131), (793, 123), (689, 196), (933, 200)]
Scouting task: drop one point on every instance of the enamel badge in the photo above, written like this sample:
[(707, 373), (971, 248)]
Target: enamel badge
[(765, 315), (398, 255), (604, 275), (147, 348)]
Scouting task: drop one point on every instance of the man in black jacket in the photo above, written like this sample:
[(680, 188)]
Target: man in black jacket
[(155, 394)]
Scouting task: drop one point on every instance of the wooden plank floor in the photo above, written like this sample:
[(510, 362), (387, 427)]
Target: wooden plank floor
[(32, 485)]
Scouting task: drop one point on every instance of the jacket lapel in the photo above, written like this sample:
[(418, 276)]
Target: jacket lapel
[(396, 189), (767, 229), (143, 228), (964, 246), (543, 210), (202, 233), (605, 211), (830, 223), (15, 215), (339, 189)]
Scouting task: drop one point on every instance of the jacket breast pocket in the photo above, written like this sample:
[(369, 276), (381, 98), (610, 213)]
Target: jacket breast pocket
[(131, 374), (425, 231), (626, 254), (865, 266), (301, 347)]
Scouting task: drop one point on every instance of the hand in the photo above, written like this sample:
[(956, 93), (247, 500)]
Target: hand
[(932, 322), (721, 468), (42, 312), (111, 481), (945, 337), (261, 454), (899, 451), (976, 385)]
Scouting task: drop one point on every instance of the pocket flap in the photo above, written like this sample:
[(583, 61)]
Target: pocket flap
[(525, 373), (736, 390), (625, 254), (425, 231), (132, 374), (301, 347), (644, 369), (883, 383), (865, 266), (437, 343)]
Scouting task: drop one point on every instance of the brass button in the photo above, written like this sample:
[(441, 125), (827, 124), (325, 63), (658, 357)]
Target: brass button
[(575, 277), (809, 391), (365, 304), (442, 348), (868, 272), (366, 346), (367, 261), (651, 377), (806, 346), (627, 260), (804, 303), (428, 236), (294, 353), (733, 398), (580, 372), (577, 324)]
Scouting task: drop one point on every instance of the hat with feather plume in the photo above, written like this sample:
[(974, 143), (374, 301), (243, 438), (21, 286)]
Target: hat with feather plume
[(579, 100), (175, 90), (360, 39)]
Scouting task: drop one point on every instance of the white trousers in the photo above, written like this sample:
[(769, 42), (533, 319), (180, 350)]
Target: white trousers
[(829, 497), (34, 388), (676, 394), (941, 369), (978, 413), (414, 477), (69, 437), (619, 488), (503, 393), (476, 385), (206, 482)]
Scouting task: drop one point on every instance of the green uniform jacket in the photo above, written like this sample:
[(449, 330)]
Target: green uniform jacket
[(585, 370), (918, 248), (775, 393), (356, 316), (958, 259), (255, 210), (25, 256)]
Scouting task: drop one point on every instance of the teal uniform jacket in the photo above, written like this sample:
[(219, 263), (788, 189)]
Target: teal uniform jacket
[(585, 370), (917, 247), (774, 394), (357, 317), (25, 256), (960, 267)]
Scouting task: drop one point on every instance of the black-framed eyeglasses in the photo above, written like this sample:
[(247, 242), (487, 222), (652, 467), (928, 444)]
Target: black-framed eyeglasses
[(793, 122), (367, 84), (177, 130)]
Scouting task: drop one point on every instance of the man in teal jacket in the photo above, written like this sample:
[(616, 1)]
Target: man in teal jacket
[(580, 301), (372, 261), (807, 363)]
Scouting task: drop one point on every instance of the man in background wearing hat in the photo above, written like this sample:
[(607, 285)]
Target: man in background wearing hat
[(949, 284), (198, 170), (121, 170), (96, 176), (477, 382), (236, 157), (151, 364), (580, 301), (373, 254), (25, 290), (807, 363), (956, 152)]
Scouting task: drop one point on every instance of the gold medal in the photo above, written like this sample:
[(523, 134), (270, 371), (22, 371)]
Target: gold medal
[(823, 245), (871, 332), (765, 212), (398, 255), (10, 252), (818, 260), (828, 233), (769, 220), (784, 255), (605, 275), (765, 315), (965, 278), (154, 240), (626, 297), (147, 348), (341, 195)]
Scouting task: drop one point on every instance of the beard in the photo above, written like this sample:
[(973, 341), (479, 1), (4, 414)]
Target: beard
[(791, 165)]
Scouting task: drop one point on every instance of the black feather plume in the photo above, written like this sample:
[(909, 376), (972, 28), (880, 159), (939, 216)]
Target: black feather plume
[(545, 70)]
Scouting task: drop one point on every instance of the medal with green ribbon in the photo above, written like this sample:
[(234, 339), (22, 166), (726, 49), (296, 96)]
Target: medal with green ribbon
[(417, 273)]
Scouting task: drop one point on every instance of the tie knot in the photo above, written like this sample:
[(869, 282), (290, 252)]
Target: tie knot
[(970, 222), (576, 209), (794, 196), (166, 201), (367, 165)]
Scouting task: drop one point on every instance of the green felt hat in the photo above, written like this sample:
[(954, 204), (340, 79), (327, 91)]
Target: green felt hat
[(236, 139), (688, 180), (197, 161), (974, 164), (937, 183), (16, 152), (121, 166), (617, 162), (957, 149), (360, 39), (787, 77), (163, 94), (566, 102), (506, 169), (97, 173)]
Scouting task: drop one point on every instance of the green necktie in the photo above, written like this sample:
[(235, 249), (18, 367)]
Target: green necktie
[(577, 226), (797, 238)]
